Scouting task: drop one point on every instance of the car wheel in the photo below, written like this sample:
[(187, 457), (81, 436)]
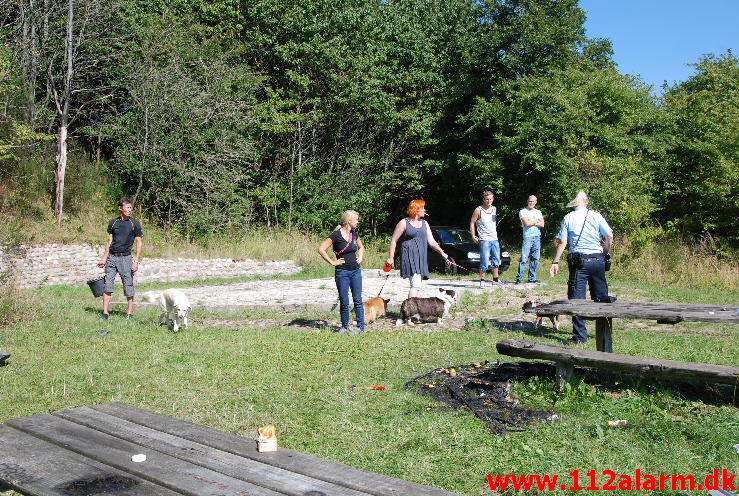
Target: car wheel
[(451, 270)]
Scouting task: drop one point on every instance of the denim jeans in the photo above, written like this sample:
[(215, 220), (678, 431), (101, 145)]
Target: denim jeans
[(592, 274), (345, 280), (489, 249), (529, 251)]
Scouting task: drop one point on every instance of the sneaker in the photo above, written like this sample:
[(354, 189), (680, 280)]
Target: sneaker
[(535, 281), (104, 316), (356, 331), (518, 281), (343, 330), (485, 284), (128, 316), (574, 340)]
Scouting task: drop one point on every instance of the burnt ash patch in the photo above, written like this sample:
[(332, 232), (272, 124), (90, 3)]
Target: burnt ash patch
[(485, 390)]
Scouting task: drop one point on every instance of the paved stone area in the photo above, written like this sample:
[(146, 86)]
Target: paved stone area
[(289, 304), (320, 294)]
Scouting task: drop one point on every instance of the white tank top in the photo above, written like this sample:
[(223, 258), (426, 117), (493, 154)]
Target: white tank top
[(486, 225)]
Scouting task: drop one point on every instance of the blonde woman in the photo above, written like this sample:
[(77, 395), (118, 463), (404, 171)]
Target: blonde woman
[(349, 252)]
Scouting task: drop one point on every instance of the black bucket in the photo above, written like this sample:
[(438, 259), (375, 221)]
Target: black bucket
[(97, 286)]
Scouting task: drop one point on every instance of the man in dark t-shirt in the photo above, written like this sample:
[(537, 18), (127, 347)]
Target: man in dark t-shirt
[(123, 233)]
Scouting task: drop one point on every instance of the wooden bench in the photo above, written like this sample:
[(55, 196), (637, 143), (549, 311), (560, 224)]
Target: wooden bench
[(663, 313), (88, 450), (567, 358)]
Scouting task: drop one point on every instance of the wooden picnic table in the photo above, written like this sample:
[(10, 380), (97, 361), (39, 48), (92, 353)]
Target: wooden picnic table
[(663, 313), (567, 358), (89, 450)]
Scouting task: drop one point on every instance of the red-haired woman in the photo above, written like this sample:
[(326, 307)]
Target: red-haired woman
[(415, 237)]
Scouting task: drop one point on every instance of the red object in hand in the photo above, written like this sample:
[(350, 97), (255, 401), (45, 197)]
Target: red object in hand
[(386, 267)]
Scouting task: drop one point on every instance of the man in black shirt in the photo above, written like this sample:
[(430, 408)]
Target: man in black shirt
[(123, 233)]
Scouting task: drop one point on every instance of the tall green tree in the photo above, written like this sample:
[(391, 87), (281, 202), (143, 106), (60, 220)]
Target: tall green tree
[(700, 181), (578, 128), (61, 46), (353, 88), (510, 41), (182, 135)]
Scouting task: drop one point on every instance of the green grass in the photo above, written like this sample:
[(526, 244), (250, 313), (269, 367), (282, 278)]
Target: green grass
[(238, 377)]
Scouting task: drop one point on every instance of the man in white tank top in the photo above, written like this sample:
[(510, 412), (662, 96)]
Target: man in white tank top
[(483, 227)]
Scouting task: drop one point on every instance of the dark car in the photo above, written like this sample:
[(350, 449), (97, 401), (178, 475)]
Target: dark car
[(462, 250)]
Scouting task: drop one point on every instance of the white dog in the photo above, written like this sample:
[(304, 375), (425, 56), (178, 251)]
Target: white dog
[(171, 301)]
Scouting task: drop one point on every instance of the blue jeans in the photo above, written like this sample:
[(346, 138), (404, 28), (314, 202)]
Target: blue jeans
[(346, 279), (489, 249), (592, 274), (529, 251)]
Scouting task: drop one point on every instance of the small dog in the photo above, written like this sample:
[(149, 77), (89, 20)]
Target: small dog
[(374, 308), (171, 301), (450, 292), (436, 307), (539, 318)]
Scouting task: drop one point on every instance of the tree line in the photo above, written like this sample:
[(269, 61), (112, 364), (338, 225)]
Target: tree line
[(222, 115)]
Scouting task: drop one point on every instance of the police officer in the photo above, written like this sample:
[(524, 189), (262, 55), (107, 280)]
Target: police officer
[(582, 230)]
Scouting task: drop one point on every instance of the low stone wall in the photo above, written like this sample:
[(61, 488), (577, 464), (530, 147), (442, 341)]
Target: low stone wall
[(43, 265)]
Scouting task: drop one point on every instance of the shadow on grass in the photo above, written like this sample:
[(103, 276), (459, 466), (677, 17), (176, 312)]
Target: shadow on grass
[(112, 310), (449, 285), (525, 327), (616, 383), (314, 323)]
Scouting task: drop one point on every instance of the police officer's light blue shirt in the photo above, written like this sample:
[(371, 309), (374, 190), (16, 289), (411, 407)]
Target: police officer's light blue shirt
[(595, 226)]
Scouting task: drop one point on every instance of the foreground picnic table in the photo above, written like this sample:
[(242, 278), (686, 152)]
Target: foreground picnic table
[(88, 450), (663, 313)]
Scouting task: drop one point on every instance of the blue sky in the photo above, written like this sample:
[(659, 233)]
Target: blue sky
[(656, 39)]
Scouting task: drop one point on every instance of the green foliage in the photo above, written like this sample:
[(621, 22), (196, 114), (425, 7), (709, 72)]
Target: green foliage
[(182, 138), (15, 135), (700, 181), (581, 127), (222, 116)]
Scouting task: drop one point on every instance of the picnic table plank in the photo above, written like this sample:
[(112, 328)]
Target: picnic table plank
[(663, 312), (174, 473), (33, 466), (254, 471), (295, 461), (625, 363)]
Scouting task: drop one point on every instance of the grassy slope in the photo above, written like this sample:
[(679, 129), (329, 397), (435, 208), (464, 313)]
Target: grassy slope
[(239, 377)]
